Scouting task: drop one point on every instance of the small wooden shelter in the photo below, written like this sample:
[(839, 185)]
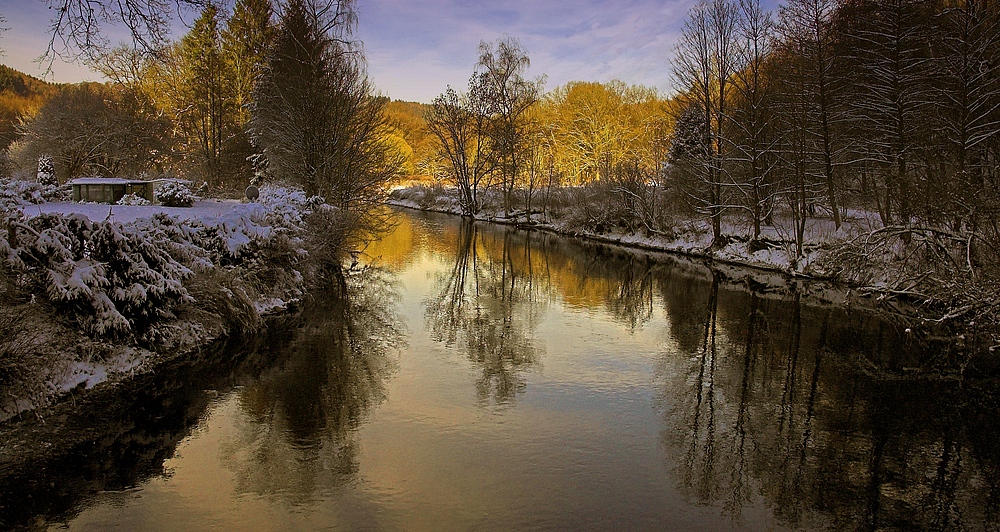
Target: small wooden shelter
[(110, 189)]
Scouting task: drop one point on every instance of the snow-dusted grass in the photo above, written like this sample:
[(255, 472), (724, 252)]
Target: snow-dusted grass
[(573, 215)]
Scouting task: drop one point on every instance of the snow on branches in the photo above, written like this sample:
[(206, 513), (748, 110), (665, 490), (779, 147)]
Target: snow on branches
[(119, 280), (174, 194)]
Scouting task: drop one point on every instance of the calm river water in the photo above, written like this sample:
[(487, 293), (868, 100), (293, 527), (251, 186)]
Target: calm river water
[(482, 378)]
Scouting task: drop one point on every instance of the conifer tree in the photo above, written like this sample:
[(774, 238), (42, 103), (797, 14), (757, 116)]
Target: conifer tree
[(245, 40), (206, 106)]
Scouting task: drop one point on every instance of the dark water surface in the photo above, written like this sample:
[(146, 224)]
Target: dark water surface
[(485, 378)]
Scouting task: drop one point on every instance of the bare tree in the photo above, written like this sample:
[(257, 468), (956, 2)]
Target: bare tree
[(502, 66), (704, 63), (459, 122), (94, 129), (888, 41), (806, 30), (79, 26), (967, 108), (754, 138)]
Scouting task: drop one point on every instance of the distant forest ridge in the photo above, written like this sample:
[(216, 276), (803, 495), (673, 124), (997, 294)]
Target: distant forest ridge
[(20, 94)]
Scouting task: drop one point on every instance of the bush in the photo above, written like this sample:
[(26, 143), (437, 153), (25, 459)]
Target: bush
[(174, 194), (132, 199), (113, 279)]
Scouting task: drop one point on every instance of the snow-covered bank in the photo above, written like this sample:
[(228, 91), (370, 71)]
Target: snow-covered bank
[(690, 237), (909, 271), (108, 297), (203, 210)]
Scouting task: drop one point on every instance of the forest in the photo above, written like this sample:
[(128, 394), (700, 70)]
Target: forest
[(879, 118)]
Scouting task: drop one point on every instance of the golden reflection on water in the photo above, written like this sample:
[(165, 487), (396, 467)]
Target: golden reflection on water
[(475, 377)]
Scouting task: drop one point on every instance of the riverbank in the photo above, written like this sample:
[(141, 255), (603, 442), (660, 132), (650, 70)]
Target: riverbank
[(98, 294), (912, 274)]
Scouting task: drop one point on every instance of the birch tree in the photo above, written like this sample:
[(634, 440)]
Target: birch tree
[(460, 123), (502, 66)]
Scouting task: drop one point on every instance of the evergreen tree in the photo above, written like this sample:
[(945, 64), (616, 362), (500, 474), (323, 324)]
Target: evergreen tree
[(46, 171), (206, 108), (245, 40), (315, 115)]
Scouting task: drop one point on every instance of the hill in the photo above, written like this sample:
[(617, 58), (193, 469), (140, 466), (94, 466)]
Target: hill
[(20, 94), (408, 119)]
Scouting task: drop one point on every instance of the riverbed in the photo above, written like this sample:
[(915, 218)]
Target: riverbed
[(470, 376)]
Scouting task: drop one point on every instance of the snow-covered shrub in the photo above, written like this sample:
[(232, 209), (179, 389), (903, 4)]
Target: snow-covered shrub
[(133, 199), (258, 162), (47, 171), (19, 192), (113, 279), (174, 194)]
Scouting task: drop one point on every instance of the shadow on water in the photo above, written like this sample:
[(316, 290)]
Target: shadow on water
[(767, 406), (317, 374)]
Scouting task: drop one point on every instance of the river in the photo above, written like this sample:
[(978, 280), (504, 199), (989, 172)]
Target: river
[(476, 377)]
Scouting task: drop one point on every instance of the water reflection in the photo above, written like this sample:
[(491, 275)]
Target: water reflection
[(300, 433), (771, 405), (829, 416), (486, 305), (637, 390), (304, 388)]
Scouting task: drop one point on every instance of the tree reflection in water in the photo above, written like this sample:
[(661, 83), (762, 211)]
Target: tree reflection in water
[(812, 411), (303, 414), (484, 304), (771, 405)]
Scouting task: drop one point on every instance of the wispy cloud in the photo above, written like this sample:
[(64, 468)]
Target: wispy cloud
[(417, 48)]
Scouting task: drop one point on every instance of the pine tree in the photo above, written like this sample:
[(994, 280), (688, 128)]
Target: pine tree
[(245, 41), (206, 109), (47, 171)]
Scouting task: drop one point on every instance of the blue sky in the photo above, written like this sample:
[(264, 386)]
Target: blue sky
[(416, 48)]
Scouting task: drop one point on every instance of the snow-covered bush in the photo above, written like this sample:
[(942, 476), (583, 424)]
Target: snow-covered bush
[(19, 192), (113, 279), (174, 194), (47, 171), (133, 199)]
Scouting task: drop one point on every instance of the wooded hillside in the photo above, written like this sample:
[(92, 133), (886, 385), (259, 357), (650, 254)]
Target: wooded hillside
[(20, 94)]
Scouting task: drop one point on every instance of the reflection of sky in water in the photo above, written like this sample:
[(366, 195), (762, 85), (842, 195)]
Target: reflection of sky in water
[(617, 419)]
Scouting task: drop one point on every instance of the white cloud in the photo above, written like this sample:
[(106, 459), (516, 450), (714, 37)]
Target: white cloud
[(416, 48)]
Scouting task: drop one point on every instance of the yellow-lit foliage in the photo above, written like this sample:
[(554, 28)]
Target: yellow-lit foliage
[(396, 141), (595, 126), (408, 119), (21, 96)]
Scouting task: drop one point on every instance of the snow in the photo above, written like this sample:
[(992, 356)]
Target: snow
[(201, 210), (138, 242), (104, 181), (693, 237)]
